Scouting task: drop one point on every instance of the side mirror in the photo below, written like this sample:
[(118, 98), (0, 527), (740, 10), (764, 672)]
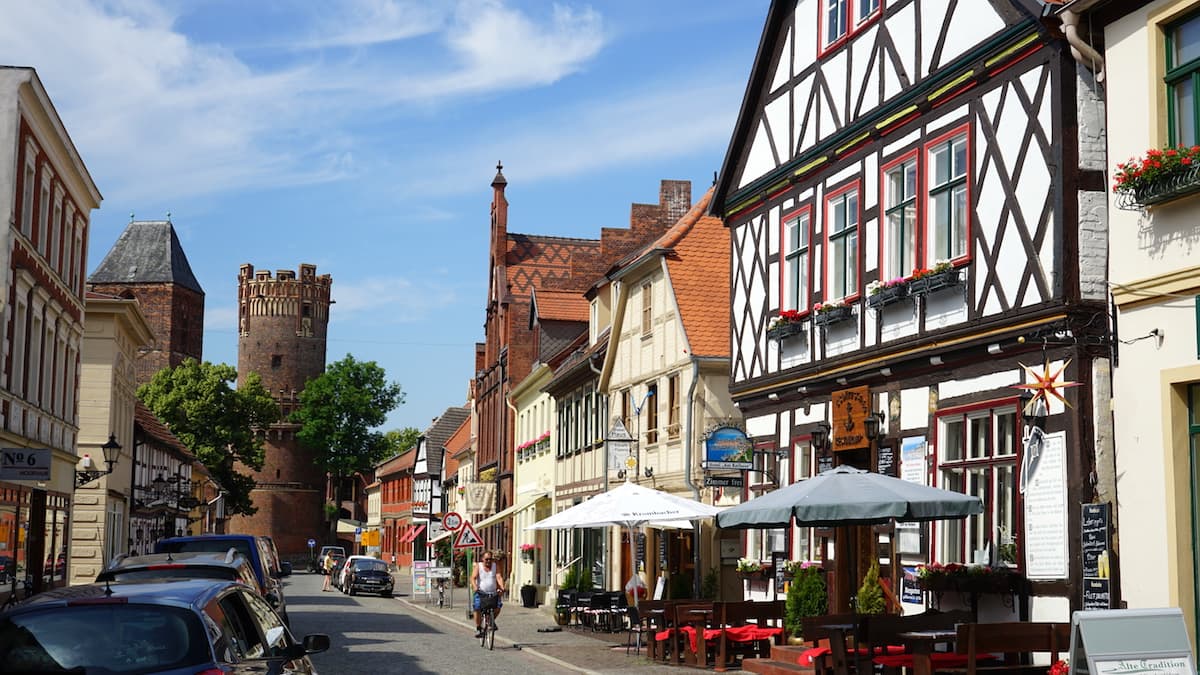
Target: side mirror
[(316, 643)]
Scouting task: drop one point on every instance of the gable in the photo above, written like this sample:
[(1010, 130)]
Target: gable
[(807, 100)]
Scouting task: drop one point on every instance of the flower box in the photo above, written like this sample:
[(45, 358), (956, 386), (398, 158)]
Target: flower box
[(832, 315), (935, 281), (973, 582), (785, 329), (1167, 188), (1158, 176), (887, 295)]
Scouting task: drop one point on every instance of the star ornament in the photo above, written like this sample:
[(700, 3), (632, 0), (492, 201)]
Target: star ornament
[(1045, 384)]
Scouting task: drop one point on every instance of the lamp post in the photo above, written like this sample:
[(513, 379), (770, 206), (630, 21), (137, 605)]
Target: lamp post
[(111, 451)]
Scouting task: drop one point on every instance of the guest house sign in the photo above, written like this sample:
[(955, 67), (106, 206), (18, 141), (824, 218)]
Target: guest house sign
[(850, 409)]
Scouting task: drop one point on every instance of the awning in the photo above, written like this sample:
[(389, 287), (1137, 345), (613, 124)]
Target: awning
[(412, 533), (508, 513), (346, 526)]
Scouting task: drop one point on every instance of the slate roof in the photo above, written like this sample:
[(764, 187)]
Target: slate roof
[(148, 251), (439, 433)]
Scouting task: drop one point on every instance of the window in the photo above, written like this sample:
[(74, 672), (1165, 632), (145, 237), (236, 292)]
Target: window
[(866, 9), (841, 222), (1183, 79), (651, 406), (838, 22), (978, 456), (27, 201), (647, 309), (276, 361), (899, 255), (837, 19), (673, 407), (626, 408), (796, 236), (947, 203)]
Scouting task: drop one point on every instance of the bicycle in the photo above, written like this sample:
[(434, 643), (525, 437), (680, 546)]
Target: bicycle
[(487, 608), (440, 585), (12, 600)]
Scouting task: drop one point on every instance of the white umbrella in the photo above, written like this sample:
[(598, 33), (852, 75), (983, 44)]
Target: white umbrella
[(628, 505)]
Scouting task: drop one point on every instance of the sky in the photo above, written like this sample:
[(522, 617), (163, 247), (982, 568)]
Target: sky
[(362, 136)]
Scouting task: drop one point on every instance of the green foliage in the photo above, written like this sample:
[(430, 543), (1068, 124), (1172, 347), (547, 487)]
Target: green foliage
[(585, 578), (710, 584), (221, 424), (681, 586), (870, 594), (401, 441), (570, 578), (339, 410), (807, 596)]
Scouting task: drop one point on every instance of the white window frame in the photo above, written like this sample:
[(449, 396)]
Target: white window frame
[(947, 240), (842, 226), (901, 223), (797, 260)]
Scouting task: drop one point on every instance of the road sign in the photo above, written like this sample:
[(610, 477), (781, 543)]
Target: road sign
[(452, 521), (25, 464), (468, 537), (312, 543)]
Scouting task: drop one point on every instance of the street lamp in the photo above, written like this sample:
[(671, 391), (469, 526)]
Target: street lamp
[(111, 450), (820, 435)]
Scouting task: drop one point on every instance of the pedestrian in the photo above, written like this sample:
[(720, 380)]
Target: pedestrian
[(328, 570), (486, 578)]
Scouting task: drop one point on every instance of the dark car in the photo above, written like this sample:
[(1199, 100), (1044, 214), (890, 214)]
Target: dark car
[(335, 575), (176, 627), (253, 547), (367, 575), (231, 565)]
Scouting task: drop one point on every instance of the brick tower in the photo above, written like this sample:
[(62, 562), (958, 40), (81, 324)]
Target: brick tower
[(147, 263), (282, 326)]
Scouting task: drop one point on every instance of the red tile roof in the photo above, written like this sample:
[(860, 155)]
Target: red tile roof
[(155, 429), (699, 269), (560, 305)]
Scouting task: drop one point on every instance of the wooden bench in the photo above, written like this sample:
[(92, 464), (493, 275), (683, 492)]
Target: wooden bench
[(880, 643), (1015, 641), (743, 629), (671, 638), (822, 640)]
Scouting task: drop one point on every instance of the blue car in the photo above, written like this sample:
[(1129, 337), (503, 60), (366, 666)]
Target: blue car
[(175, 627), (255, 549)]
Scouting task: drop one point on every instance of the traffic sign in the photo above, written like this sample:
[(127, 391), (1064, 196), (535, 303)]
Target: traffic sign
[(468, 537), (312, 543), (452, 521)]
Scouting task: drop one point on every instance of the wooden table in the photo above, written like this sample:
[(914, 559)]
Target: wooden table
[(921, 644), (839, 657)]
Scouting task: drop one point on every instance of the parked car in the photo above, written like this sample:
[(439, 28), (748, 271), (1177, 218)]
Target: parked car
[(251, 546), (344, 570), (335, 574), (232, 566), (175, 627), (368, 576)]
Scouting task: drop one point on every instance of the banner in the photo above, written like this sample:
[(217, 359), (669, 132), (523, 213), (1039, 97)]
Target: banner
[(480, 498)]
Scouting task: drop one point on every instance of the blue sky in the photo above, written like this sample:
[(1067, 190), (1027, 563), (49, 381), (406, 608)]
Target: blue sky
[(362, 136)]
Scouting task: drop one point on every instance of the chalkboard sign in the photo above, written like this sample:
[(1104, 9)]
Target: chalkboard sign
[(779, 561), (1113, 641), (824, 463), (641, 547), (1093, 527), (1096, 594), (662, 552), (886, 461)]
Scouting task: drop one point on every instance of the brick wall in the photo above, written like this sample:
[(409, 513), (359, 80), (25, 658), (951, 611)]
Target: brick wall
[(175, 315)]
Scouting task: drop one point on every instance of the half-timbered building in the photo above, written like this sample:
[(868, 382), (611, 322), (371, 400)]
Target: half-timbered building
[(904, 189)]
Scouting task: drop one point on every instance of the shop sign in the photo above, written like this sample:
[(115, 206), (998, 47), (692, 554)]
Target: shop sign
[(24, 464), (850, 410), (727, 447)]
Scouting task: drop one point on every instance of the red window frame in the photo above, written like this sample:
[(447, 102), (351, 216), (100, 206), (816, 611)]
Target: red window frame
[(853, 24), (964, 130), (806, 208), (826, 282), (915, 155)]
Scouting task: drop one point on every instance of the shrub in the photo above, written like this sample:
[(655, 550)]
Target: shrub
[(710, 584), (570, 578), (807, 596), (870, 594)]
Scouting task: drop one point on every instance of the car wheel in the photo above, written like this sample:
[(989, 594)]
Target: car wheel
[(385, 594)]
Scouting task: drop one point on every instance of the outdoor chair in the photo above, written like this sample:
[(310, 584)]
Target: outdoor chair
[(637, 628), (564, 605)]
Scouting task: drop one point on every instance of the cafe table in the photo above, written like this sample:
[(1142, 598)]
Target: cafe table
[(696, 653), (839, 657), (921, 643)]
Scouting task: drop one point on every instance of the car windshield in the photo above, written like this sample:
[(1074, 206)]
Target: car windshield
[(182, 572), (372, 565), (117, 638), (207, 546)]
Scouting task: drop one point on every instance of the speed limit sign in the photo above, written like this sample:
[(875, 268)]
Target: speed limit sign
[(452, 521)]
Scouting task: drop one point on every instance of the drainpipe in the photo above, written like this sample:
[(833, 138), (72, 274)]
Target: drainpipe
[(604, 541), (1083, 52), (513, 543), (687, 470)]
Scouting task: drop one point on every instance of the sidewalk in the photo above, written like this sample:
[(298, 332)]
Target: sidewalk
[(574, 648)]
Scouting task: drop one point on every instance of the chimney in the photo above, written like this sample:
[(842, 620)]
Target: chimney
[(675, 196)]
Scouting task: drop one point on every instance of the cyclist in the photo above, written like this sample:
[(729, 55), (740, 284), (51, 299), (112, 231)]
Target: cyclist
[(486, 578)]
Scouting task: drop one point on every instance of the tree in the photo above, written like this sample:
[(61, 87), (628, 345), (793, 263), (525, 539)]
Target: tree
[(221, 424), (402, 440), (339, 411)]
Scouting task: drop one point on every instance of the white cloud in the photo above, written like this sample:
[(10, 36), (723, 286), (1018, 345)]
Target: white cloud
[(388, 299), (370, 22)]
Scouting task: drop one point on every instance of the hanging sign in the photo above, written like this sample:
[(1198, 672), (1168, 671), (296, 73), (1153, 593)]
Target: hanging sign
[(727, 447), (480, 498), (850, 409), (619, 445)]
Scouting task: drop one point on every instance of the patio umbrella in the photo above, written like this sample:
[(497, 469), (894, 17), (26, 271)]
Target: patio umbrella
[(845, 495), (628, 505)]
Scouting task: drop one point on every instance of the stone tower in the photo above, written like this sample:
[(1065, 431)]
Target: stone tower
[(147, 263), (282, 326)]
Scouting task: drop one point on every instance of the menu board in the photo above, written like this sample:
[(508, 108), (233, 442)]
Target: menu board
[(1093, 527), (779, 561), (824, 463), (886, 460), (1046, 513)]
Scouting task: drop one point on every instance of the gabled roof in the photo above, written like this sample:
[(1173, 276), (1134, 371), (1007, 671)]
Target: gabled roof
[(147, 251), (154, 428), (439, 433), (699, 267), (560, 305), (461, 438)]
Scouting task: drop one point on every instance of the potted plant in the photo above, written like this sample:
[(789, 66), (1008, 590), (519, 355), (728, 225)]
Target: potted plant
[(788, 323), (748, 568), (924, 280), (883, 293), (807, 596), (870, 595), (831, 312), (528, 551), (1158, 176)]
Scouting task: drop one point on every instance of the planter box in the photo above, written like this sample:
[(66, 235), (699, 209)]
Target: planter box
[(974, 583), (1168, 188), (935, 282), (785, 330), (887, 296), (829, 316)]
